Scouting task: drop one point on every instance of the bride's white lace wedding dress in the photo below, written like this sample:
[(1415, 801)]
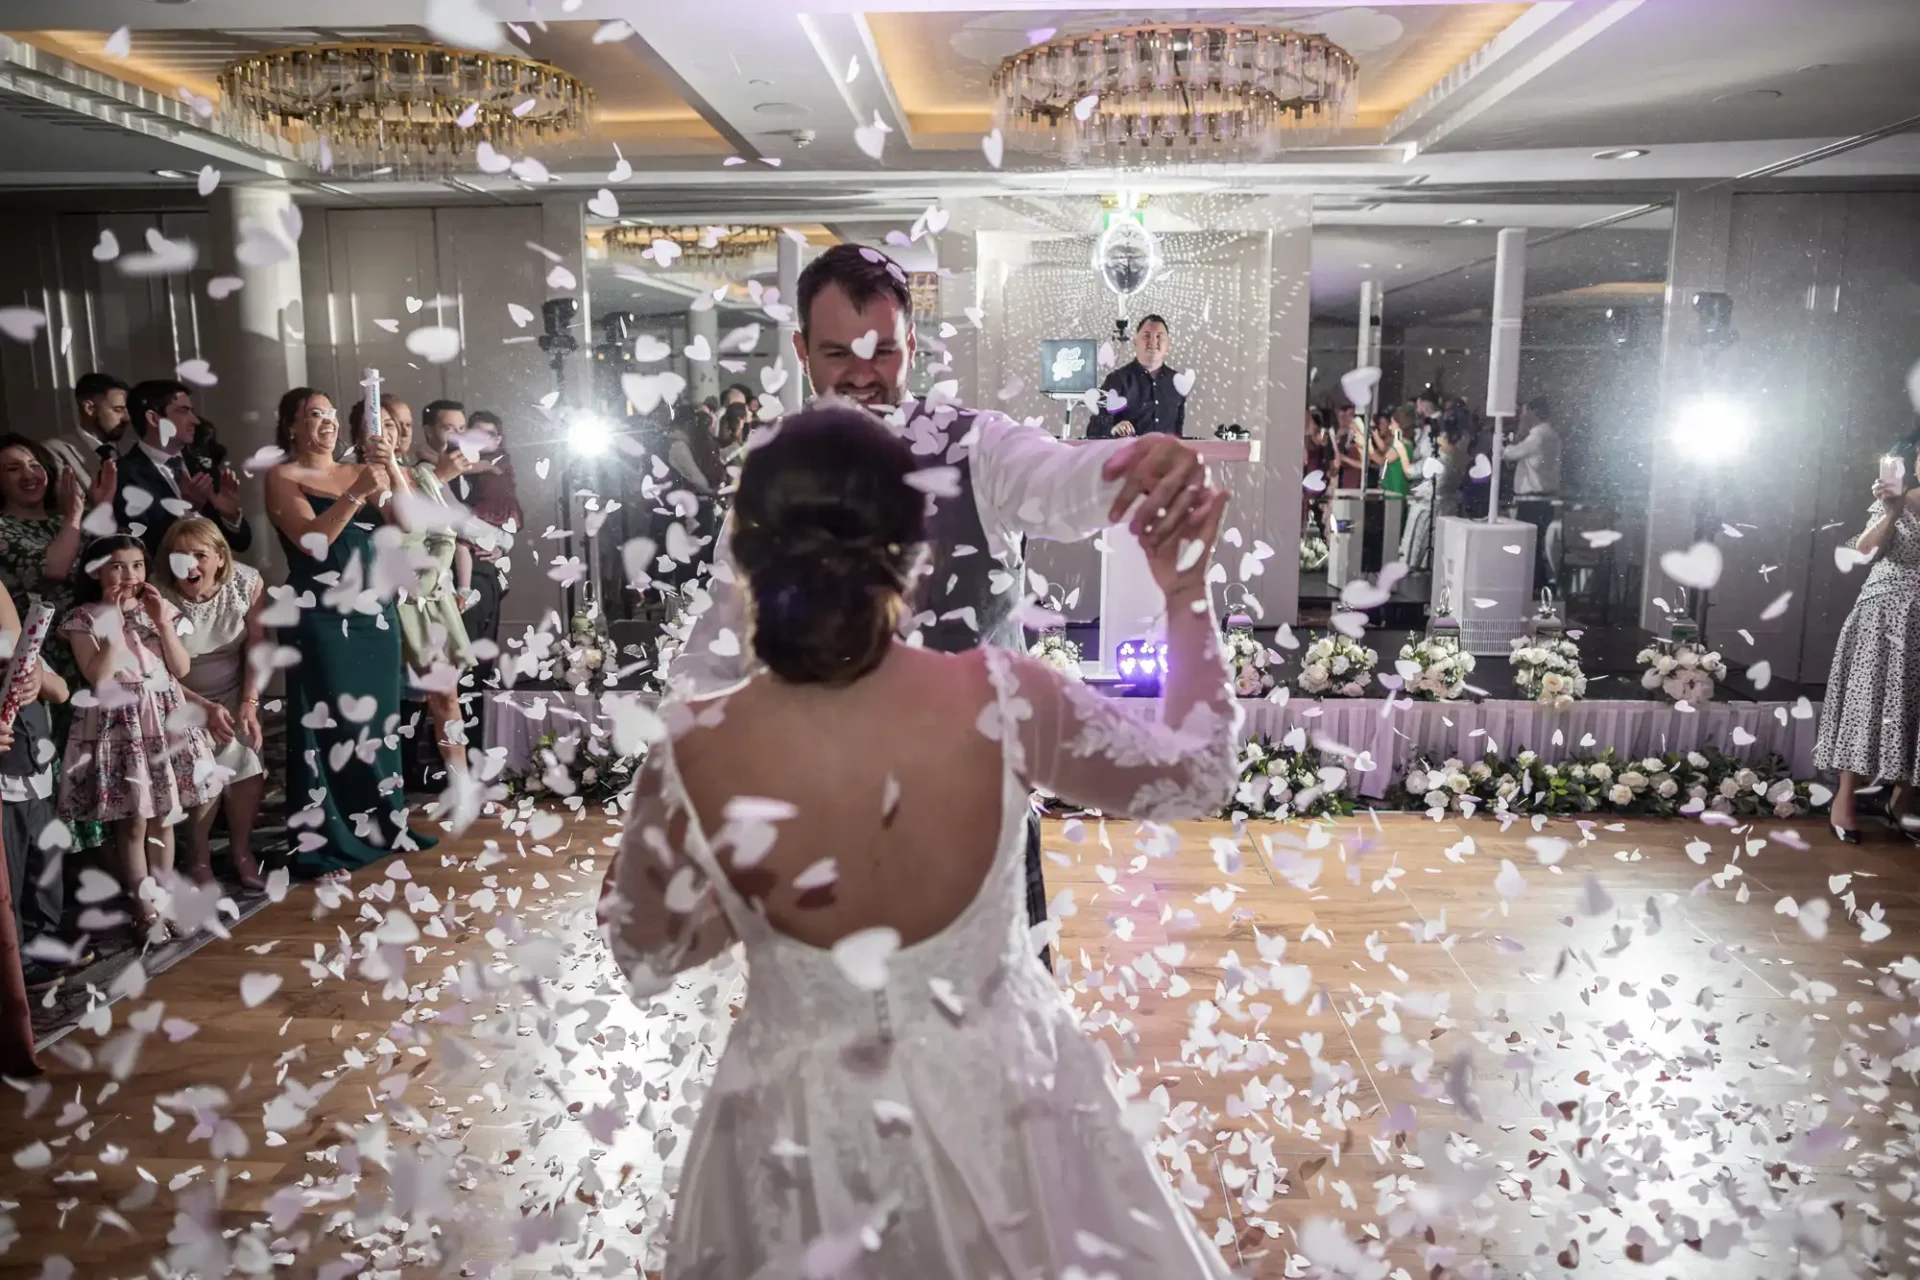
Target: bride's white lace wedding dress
[(933, 1113)]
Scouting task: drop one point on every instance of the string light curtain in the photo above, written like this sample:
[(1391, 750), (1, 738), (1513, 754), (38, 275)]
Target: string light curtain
[(1172, 94), (409, 108)]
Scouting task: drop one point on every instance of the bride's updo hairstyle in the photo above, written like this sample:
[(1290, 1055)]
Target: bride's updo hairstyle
[(828, 532)]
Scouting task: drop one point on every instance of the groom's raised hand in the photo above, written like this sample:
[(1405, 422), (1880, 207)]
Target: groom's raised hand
[(1171, 478)]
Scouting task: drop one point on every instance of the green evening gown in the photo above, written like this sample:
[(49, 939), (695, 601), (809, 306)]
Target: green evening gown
[(359, 808)]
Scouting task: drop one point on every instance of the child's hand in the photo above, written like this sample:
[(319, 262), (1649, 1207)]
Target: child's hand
[(149, 597)]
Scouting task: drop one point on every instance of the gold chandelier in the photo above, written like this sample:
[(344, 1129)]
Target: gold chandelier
[(412, 108), (703, 246), (1174, 93)]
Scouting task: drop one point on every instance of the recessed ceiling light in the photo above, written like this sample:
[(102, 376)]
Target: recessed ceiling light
[(1751, 95), (169, 173), (780, 109), (1366, 266), (759, 84), (1622, 153), (1463, 222)]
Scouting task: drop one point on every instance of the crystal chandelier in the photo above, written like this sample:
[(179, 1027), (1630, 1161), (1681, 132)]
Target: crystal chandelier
[(1173, 94), (406, 108), (704, 246)]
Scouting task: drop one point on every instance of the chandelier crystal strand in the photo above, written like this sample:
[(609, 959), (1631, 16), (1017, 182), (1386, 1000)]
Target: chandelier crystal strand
[(378, 105), (1166, 93)]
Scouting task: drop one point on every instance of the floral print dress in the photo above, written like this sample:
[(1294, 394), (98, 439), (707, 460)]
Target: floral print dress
[(122, 760)]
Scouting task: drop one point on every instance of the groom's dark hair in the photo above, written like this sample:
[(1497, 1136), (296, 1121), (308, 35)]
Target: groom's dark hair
[(863, 274)]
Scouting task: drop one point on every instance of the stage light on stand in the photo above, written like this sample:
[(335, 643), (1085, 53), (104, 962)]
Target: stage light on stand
[(589, 434), (1712, 427)]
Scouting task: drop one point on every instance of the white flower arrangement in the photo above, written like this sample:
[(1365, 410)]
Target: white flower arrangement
[(1685, 672), (1336, 666), (1252, 664), (1058, 652), (1547, 670), (1434, 667), (1313, 552)]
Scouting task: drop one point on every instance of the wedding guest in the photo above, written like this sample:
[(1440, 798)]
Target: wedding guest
[(1870, 721), (128, 762), (96, 440), (1349, 448), (40, 538), (433, 640), (494, 522), (345, 691), (159, 469), (1536, 482), (220, 603), (34, 872), (1436, 495), (1387, 452)]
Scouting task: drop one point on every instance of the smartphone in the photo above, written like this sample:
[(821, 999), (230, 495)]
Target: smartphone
[(1893, 471)]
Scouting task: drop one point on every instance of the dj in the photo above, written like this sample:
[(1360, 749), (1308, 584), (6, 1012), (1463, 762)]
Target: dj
[(1153, 404)]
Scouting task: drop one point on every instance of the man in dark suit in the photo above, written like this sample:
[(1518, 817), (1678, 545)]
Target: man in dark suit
[(1153, 402), (160, 483)]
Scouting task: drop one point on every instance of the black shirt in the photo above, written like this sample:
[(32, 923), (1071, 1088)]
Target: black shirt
[(1153, 403)]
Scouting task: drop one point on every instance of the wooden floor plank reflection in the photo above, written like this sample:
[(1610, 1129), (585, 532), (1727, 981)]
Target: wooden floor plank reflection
[(1650, 1043)]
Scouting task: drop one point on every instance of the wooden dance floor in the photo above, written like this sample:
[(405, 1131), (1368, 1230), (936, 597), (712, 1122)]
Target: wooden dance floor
[(1637, 1061)]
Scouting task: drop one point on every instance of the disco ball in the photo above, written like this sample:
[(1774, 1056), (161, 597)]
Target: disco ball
[(1126, 256)]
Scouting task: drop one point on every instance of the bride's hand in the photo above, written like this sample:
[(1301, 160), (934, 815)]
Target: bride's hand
[(1180, 563)]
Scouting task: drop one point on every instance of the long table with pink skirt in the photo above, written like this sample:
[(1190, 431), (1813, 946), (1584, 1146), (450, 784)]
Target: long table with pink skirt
[(1390, 734)]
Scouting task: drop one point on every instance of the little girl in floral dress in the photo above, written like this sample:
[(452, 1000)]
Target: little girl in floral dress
[(130, 761)]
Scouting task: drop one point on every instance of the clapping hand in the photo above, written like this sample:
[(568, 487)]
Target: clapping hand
[(197, 489), (106, 483), (226, 495), (70, 510)]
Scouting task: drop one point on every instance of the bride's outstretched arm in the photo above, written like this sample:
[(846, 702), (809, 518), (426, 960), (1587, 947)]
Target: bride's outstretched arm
[(658, 913), (1120, 757)]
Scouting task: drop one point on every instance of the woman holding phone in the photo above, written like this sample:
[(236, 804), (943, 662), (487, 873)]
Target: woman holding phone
[(1870, 725)]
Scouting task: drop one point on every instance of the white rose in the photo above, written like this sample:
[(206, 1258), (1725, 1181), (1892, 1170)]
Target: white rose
[(1479, 771), (1620, 795), (1436, 799), (1688, 659), (1697, 760), (1729, 788), (1339, 665), (1602, 772), (1578, 773), (1417, 781), (1651, 679), (1667, 789), (1665, 664), (1553, 685), (1527, 757), (1746, 778), (1651, 765), (1459, 783), (1635, 779), (1785, 809)]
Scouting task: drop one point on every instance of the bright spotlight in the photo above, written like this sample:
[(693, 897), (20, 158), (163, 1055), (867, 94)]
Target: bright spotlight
[(589, 435), (1711, 427)]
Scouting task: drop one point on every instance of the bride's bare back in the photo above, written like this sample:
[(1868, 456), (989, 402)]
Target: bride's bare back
[(895, 789)]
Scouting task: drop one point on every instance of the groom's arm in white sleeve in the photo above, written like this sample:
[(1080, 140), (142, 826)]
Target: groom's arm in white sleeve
[(1028, 481)]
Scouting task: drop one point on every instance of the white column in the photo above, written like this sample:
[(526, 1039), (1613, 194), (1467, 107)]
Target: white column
[(791, 391), (1282, 442), (255, 338), (704, 375)]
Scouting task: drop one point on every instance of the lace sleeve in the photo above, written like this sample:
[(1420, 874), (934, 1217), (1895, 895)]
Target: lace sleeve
[(659, 915), (1109, 754)]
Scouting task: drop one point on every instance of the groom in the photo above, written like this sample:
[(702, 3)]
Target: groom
[(856, 340)]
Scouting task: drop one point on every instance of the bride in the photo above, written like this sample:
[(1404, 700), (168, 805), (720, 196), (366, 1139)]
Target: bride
[(905, 1092)]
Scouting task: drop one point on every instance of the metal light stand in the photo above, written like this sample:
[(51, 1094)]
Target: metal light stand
[(558, 342)]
